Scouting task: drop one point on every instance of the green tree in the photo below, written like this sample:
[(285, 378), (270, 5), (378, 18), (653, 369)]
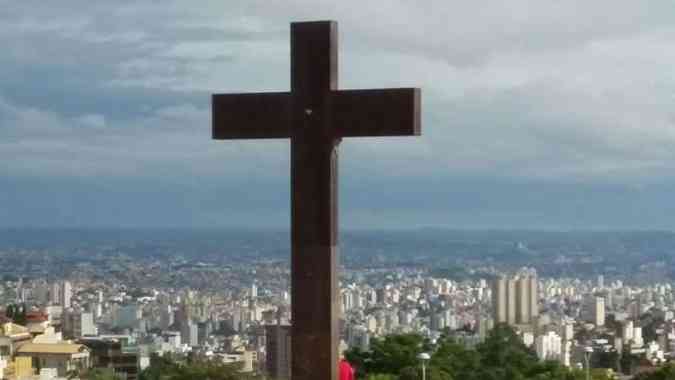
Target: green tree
[(454, 359), (505, 354), (604, 359), (583, 335), (159, 365), (388, 355), (628, 362), (360, 360), (415, 373), (666, 372), (650, 323), (601, 374), (381, 376), (96, 374), (21, 316), (502, 356), (9, 311), (172, 368), (17, 313)]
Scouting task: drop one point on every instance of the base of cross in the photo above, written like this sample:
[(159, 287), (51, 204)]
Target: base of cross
[(315, 311)]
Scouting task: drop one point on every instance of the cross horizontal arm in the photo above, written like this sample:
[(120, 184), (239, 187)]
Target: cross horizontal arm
[(251, 116), (362, 113)]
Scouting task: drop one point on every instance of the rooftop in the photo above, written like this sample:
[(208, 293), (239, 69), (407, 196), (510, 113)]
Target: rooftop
[(51, 348)]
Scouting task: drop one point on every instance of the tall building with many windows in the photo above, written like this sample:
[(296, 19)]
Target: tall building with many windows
[(593, 310), (511, 301), (515, 300), (66, 294), (549, 346), (534, 296), (499, 300), (55, 294), (523, 300), (78, 324)]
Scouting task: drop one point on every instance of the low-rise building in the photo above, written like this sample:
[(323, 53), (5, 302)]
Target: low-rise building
[(3, 365), (12, 336), (116, 353), (247, 359), (60, 359)]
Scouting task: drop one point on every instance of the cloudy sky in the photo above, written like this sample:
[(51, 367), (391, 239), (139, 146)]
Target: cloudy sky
[(536, 113)]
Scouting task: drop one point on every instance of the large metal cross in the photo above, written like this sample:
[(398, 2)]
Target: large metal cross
[(315, 116)]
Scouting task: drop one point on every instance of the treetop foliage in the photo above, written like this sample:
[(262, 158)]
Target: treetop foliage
[(502, 356)]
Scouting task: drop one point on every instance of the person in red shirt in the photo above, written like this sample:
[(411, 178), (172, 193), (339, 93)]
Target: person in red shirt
[(345, 370)]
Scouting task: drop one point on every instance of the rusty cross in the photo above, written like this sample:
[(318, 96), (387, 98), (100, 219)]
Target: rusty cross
[(315, 115)]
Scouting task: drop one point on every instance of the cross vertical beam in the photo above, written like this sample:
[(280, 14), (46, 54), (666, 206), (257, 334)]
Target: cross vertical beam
[(315, 115), (314, 219)]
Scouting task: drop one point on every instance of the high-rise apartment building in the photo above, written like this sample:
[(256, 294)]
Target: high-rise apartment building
[(499, 300), (55, 294), (599, 311), (41, 292), (78, 324), (66, 294), (189, 333), (593, 310), (346, 301), (166, 317), (534, 296), (61, 294), (567, 331), (515, 300), (549, 346), (638, 341), (511, 303), (627, 331), (523, 300)]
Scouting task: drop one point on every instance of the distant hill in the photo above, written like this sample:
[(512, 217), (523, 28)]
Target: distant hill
[(573, 253)]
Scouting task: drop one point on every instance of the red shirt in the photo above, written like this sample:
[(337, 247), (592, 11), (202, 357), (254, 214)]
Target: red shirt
[(345, 370)]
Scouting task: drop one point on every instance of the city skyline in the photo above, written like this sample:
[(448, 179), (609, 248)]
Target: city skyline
[(528, 232), (95, 296)]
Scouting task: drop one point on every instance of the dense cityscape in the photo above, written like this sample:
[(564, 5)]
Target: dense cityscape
[(62, 313), (337, 190)]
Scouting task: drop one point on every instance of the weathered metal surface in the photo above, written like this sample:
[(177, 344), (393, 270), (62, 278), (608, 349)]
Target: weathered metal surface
[(315, 115)]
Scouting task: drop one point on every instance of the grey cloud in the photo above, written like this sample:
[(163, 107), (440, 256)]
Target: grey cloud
[(534, 91), (171, 143)]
